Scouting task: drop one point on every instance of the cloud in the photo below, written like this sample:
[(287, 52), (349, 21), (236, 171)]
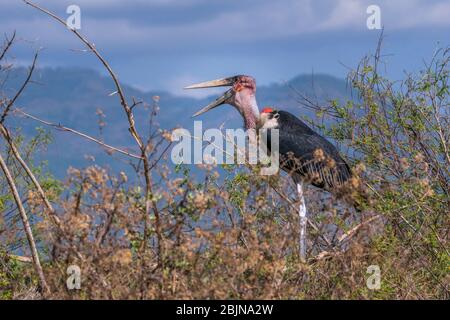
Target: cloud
[(176, 41), (406, 14), (116, 23)]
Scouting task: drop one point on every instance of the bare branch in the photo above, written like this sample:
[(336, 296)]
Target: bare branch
[(26, 225), (20, 258), (28, 171), (18, 93), (63, 128), (91, 46), (350, 233), (149, 202), (8, 45)]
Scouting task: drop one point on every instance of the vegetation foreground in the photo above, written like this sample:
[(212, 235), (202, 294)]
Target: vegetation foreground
[(158, 233)]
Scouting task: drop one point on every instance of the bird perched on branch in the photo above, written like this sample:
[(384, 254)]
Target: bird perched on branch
[(305, 155)]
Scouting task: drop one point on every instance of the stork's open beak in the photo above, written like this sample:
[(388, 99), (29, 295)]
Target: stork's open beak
[(225, 82)]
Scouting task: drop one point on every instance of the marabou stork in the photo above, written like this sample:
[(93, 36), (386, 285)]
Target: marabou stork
[(304, 155)]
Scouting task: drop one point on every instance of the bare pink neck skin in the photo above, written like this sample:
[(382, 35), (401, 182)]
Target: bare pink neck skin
[(250, 112)]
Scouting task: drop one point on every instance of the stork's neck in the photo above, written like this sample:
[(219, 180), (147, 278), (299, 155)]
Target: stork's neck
[(250, 112)]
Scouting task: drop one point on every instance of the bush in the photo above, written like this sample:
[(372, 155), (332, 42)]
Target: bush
[(234, 234)]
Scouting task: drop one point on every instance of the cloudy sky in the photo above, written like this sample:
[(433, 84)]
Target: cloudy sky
[(166, 44)]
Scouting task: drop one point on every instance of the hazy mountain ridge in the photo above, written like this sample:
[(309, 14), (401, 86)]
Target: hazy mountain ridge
[(71, 96)]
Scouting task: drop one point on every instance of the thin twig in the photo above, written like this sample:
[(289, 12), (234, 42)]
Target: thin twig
[(350, 233), (8, 45), (18, 93), (149, 201), (15, 152), (63, 128), (105, 64), (26, 225), (20, 258)]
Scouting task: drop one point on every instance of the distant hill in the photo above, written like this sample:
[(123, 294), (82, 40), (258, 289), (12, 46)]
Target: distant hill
[(71, 96)]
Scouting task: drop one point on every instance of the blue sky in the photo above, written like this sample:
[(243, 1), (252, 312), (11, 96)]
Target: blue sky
[(166, 44)]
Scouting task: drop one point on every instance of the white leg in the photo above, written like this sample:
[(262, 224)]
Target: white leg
[(303, 221)]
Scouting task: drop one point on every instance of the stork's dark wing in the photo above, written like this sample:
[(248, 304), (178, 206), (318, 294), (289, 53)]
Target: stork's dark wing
[(306, 153)]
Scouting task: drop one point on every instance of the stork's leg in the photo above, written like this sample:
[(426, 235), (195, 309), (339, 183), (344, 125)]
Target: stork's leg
[(303, 221)]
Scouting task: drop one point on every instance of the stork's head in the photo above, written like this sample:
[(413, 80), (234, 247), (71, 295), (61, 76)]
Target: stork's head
[(241, 96)]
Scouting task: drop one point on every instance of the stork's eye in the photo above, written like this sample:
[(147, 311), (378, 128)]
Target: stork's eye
[(238, 86)]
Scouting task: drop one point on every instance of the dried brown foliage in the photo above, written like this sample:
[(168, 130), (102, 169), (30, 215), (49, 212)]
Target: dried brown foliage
[(162, 233)]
